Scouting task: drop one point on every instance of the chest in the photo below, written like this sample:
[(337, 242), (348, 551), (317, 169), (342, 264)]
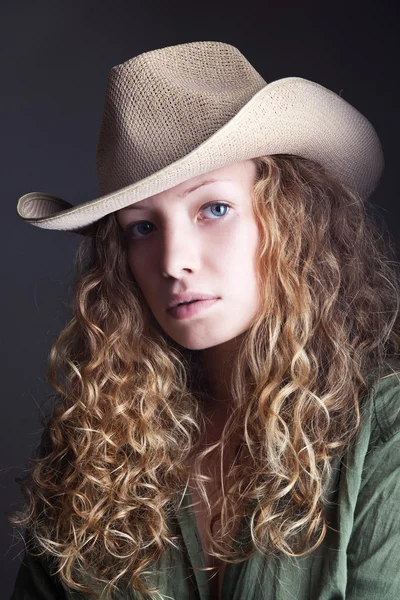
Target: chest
[(216, 566), (203, 523), (212, 468)]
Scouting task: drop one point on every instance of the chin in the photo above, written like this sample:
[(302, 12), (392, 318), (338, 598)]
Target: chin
[(193, 345), (201, 344)]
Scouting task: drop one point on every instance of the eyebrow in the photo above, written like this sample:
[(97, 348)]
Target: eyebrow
[(185, 193)]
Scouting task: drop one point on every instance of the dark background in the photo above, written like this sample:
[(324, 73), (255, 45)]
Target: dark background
[(54, 62)]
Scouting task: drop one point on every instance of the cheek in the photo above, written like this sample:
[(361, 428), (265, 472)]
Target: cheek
[(132, 265), (137, 269), (135, 258), (142, 259), (242, 247)]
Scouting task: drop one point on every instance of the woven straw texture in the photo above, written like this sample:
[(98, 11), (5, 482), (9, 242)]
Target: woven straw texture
[(184, 110)]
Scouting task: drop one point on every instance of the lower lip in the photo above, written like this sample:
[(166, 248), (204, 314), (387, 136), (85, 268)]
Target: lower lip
[(188, 310)]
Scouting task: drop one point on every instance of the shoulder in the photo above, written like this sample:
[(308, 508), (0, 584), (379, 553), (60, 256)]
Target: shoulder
[(384, 405), (370, 496)]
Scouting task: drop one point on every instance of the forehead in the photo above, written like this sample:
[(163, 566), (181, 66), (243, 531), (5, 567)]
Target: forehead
[(241, 173)]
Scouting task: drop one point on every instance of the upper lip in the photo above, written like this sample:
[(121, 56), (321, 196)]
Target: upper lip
[(188, 297)]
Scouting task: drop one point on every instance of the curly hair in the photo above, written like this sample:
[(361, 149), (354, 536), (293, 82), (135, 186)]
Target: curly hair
[(124, 435)]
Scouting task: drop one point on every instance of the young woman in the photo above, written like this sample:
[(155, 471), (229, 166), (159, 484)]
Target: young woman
[(226, 422)]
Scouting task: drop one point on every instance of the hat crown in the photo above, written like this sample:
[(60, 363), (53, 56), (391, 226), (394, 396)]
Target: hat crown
[(164, 103), (178, 112)]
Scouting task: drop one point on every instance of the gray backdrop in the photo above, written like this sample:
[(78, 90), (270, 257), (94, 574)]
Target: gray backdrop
[(55, 58)]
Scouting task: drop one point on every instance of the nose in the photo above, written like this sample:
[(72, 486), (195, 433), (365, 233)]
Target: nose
[(180, 251)]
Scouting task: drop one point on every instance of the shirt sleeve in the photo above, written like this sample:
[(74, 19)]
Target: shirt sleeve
[(373, 558)]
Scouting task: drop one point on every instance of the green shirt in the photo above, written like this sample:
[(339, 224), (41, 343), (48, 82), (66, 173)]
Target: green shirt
[(358, 559)]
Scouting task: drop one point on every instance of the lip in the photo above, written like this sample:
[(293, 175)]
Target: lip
[(185, 311), (187, 297)]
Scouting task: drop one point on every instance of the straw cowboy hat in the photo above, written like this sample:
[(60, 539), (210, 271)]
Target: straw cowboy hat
[(177, 112)]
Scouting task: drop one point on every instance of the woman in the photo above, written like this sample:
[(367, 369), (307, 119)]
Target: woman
[(227, 392)]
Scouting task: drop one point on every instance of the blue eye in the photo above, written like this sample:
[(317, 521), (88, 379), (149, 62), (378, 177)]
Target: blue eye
[(141, 228), (219, 204), (129, 233)]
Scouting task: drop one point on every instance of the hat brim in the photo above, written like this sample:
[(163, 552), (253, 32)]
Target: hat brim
[(287, 116)]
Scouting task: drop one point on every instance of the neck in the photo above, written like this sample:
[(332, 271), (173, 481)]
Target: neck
[(216, 367)]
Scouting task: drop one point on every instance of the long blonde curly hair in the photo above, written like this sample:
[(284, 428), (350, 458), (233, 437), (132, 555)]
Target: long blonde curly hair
[(124, 435)]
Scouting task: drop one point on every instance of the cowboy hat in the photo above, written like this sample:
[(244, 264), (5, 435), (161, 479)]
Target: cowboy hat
[(177, 112)]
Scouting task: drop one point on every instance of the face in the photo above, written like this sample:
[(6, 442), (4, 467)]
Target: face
[(198, 239)]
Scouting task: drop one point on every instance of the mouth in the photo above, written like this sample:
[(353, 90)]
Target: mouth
[(184, 310), (188, 298), (189, 302)]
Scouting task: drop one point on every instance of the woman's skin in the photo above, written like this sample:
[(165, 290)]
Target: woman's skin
[(181, 246)]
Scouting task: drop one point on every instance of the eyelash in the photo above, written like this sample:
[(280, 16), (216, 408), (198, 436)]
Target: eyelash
[(129, 229)]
